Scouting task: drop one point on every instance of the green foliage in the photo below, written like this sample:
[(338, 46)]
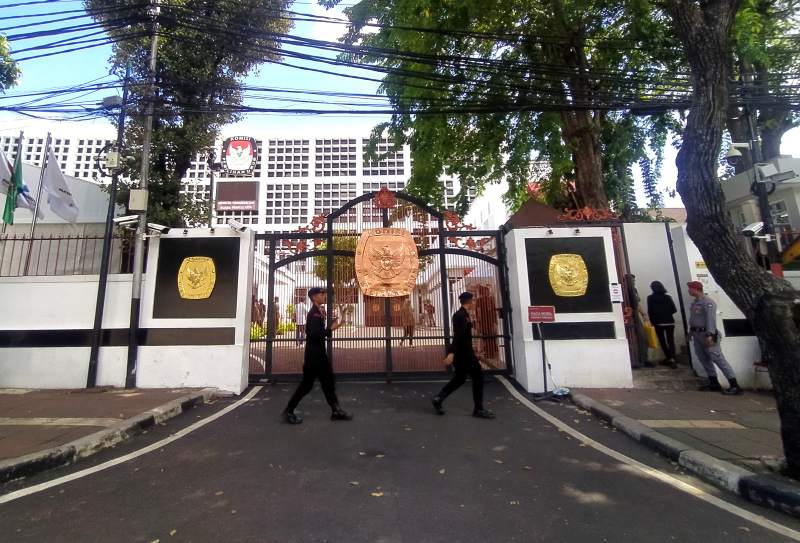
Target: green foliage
[(285, 327), (344, 267), (492, 132), (9, 71), (256, 331), (201, 60)]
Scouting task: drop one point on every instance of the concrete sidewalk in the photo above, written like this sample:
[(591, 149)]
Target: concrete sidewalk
[(44, 429), (731, 441)]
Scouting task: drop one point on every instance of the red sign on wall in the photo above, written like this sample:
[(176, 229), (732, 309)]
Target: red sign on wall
[(541, 313)]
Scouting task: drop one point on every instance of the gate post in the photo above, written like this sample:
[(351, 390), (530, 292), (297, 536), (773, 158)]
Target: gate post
[(329, 285), (387, 310), (270, 312), (505, 297), (445, 284)]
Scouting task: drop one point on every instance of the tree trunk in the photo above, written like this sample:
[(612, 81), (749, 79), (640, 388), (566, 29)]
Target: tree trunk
[(582, 134), (774, 124), (767, 301)]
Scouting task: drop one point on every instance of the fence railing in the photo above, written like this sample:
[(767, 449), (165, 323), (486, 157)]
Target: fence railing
[(63, 255)]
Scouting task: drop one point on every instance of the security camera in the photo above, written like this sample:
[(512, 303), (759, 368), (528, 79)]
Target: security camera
[(732, 156), (161, 229), (753, 229), (126, 220), (236, 225)]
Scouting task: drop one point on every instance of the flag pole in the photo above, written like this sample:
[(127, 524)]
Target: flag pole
[(38, 199)]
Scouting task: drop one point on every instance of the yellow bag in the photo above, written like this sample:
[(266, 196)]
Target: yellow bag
[(650, 330)]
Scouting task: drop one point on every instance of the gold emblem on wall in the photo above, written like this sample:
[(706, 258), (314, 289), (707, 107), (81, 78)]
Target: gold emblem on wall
[(568, 275), (386, 262), (196, 277)]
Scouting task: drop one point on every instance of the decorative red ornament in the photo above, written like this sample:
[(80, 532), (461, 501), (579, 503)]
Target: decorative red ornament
[(453, 222), (588, 214), (385, 199), (317, 224)]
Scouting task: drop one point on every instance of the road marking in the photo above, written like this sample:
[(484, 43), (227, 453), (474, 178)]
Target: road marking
[(724, 424), (663, 477), (111, 463), (45, 421)]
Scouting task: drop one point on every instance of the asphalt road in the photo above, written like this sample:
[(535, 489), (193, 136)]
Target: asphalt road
[(397, 473)]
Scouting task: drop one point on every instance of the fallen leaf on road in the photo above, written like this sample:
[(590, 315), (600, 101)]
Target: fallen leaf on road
[(218, 493), (577, 421), (362, 454), (527, 467), (585, 443), (514, 503), (441, 471), (353, 482), (379, 455), (377, 494), (173, 532), (408, 429), (745, 528), (233, 512), (498, 461)]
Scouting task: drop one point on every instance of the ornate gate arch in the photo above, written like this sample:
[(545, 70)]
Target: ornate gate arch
[(373, 340)]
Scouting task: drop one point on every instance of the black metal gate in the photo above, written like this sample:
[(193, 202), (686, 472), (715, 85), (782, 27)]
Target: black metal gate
[(379, 336)]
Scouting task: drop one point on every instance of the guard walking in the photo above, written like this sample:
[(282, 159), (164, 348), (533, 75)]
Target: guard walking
[(464, 360), (706, 340), (316, 363)]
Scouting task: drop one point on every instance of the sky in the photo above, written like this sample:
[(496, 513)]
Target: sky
[(92, 65)]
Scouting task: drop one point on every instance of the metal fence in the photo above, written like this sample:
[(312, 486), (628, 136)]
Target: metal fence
[(63, 255)]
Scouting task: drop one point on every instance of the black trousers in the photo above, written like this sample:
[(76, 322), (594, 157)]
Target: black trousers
[(464, 367), (666, 338), (319, 367)]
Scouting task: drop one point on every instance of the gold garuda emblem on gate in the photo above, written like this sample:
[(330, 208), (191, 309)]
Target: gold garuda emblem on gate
[(196, 277), (568, 275), (387, 263)]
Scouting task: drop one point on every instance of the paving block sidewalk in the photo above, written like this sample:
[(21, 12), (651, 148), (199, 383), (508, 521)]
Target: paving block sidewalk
[(729, 441), (41, 429)]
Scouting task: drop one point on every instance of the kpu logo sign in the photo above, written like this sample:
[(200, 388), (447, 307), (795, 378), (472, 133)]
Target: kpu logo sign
[(239, 156)]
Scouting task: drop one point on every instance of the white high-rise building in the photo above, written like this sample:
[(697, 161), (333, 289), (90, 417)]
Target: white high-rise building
[(292, 175)]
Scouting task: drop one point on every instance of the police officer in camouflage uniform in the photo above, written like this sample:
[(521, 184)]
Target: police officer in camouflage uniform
[(706, 339)]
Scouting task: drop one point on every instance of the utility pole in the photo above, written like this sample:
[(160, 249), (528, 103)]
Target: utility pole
[(141, 231), (759, 189), (94, 353)]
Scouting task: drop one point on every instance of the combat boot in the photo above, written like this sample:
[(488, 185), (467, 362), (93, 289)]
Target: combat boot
[(437, 403), (482, 413), (290, 417), (338, 414)]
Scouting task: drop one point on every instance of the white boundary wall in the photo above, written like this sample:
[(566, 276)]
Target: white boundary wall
[(68, 303), (590, 363)]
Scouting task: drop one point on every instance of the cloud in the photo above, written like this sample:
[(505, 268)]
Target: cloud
[(328, 31)]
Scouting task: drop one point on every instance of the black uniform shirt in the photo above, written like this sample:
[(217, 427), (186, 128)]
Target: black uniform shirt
[(462, 335), (315, 334)]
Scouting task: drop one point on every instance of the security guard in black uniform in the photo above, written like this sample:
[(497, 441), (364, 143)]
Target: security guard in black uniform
[(463, 358), (316, 363)]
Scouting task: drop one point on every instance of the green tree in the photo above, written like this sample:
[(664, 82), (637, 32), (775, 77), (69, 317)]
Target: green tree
[(497, 69), (205, 48), (344, 267), (770, 303), (9, 71), (764, 61)]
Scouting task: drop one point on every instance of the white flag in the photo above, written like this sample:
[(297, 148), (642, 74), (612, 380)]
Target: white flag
[(59, 196), (24, 198)]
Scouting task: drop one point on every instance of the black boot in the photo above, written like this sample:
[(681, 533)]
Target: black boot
[(338, 414), (437, 403), (482, 413), (290, 417), (735, 389), (712, 386)]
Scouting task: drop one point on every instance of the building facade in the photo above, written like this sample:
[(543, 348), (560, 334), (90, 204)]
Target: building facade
[(292, 175)]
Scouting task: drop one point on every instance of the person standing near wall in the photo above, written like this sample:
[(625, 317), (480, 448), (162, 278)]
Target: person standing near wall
[(706, 340), (316, 363), (660, 308), (407, 316), (639, 317), (463, 358), (300, 316)]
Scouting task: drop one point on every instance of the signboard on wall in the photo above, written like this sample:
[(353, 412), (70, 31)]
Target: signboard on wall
[(237, 196), (239, 155), (541, 313)]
